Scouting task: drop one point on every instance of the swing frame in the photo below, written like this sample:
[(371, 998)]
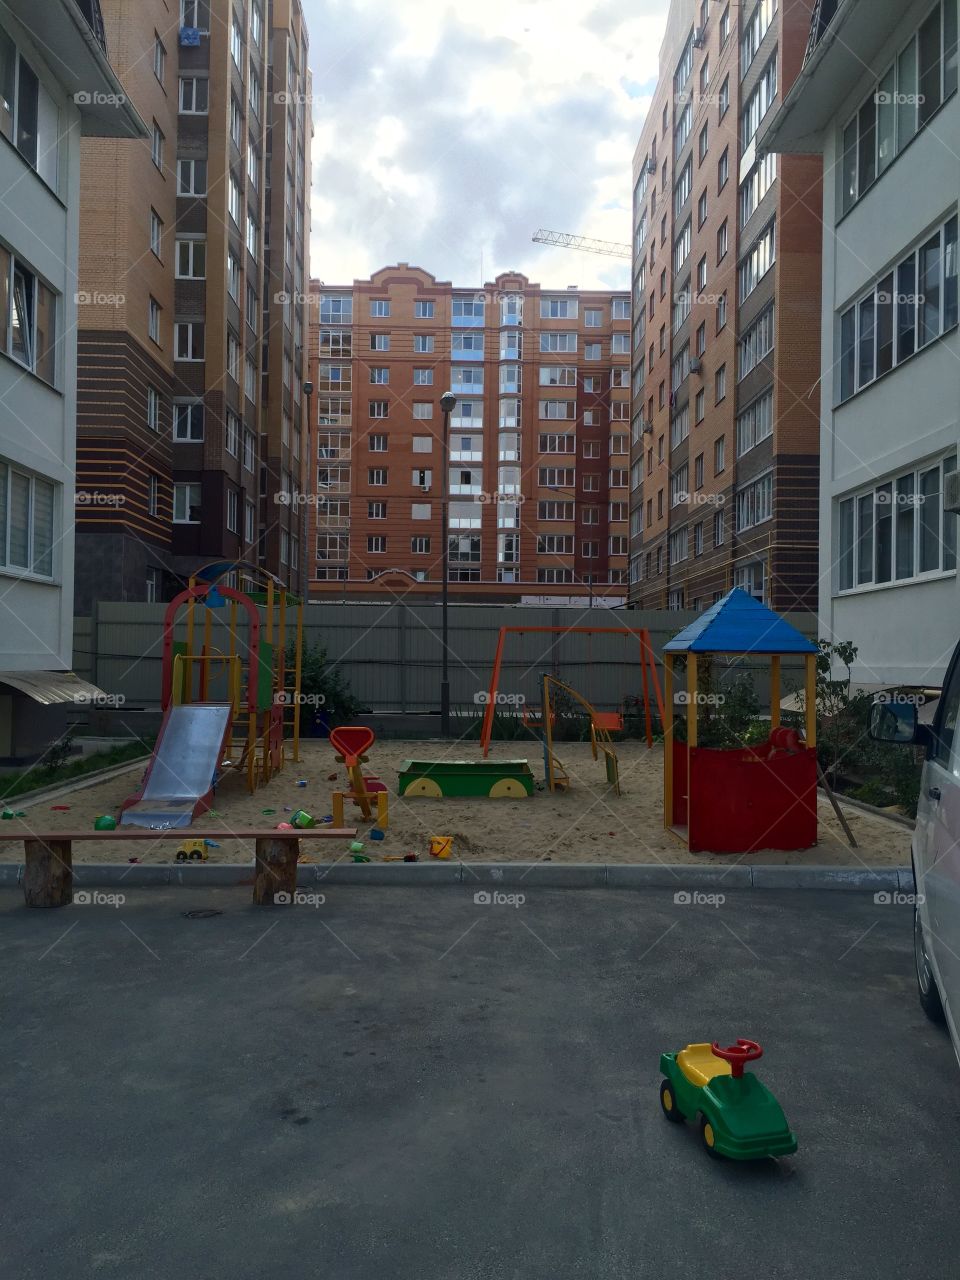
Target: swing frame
[(648, 671)]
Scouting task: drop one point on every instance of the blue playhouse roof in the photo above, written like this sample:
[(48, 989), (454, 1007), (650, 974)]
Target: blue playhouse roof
[(739, 624)]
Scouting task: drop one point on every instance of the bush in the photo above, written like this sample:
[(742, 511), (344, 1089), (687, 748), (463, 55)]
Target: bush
[(322, 680)]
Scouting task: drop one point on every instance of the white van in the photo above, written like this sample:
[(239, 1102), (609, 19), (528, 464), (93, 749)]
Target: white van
[(936, 844)]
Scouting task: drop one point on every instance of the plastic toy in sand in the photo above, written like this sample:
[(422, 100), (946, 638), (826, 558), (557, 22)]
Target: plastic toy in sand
[(441, 847), (106, 822), (738, 1116), (192, 851)]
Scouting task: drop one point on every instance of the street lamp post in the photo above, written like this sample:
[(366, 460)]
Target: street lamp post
[(303, 524), (447, 402)]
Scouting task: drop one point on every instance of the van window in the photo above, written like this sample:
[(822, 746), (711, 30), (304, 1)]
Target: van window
[(946, 723)]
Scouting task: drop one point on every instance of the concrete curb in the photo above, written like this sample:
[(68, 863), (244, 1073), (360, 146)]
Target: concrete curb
[(535, 875)]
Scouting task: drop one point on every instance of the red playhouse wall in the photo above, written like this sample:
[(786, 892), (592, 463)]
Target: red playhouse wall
[(742, 801), (680, 784)]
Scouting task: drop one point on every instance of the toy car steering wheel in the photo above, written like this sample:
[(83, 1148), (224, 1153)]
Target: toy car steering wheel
[(738, 1054)]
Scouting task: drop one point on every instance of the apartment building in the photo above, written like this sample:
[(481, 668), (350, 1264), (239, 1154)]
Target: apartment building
[(726, 263), (877, 99), (537, 468), (189, 372), (55, 83)]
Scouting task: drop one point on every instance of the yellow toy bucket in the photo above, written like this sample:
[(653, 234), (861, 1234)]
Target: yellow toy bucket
[(441, 846)]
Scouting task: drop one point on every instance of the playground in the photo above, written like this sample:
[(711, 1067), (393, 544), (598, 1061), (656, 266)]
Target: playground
[(588, 823)]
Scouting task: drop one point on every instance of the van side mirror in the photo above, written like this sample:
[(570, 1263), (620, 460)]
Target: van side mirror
[(894, 722)]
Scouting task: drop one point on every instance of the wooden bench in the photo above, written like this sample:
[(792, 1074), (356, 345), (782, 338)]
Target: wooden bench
[(48, 857)]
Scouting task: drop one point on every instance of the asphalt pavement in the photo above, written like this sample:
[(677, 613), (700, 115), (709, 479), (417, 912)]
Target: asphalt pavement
[(409, 1084)]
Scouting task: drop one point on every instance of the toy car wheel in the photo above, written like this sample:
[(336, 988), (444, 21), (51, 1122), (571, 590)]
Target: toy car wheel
[(930, 1000), (708, 1137), (181, 855), (669, 1103), (196, 855)]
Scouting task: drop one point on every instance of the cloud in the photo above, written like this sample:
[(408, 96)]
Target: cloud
[(441, 137)]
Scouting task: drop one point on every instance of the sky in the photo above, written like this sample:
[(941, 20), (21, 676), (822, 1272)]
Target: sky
[(446, 134)]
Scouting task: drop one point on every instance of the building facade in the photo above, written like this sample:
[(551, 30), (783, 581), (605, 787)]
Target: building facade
[(877, 98), (190, 371), (55, 84), (726, 263), (538, 450)]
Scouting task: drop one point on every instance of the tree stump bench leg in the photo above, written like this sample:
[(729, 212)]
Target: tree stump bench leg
[(276, 870), (48, 873)]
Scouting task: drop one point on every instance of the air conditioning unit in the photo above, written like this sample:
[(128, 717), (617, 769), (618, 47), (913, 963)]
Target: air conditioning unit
[(647, 428), (698, 37), (951, 491), (696, 366)]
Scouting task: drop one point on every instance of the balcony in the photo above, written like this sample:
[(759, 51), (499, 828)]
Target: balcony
[(466, 455), (91, 11), (465, 490)]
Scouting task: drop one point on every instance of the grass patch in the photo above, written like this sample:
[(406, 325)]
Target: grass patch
[(38, 776)]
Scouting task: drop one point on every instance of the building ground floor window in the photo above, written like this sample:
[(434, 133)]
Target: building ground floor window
[(752, 577)]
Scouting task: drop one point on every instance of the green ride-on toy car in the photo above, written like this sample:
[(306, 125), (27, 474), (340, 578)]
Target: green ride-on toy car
[(739, 1117)]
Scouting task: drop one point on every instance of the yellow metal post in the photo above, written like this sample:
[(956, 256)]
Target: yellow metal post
[(668, 740), (297, 675), (691, 701), (775, 691), (548, 732), (191, 606), (811, 699)]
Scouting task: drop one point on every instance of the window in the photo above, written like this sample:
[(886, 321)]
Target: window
[(467, 311), (420, 546), (191, 260), (423, 410), (680, 370), (723, 169), (756, 185), (335, 309), (194, 95), (191, 177), (720, 383), (233, 511), (620, 309), (377, 477), (902, 313), (897, 530), (379, 375), (249, 379), (702, 274), (698, 539), (236, 42), (755, 423), (701, 406), (236, 124), (593, 318), (758, 104), (558, 308), (423, 309), (423, 343), (755, 343), (678, 549), (719, 455), (188, 341), (558, 409), (701, 339), (188, 421), (554, 510), (681, 191), (680, 485), (592, 351), (28, 318), (379, 307), (723, 240), (29, 116), (758, 262), (553, 375), (156, 232), (680, 427), (723, 98), (702, 144), (702, 209), (153, 321), (27, 513), (156, 146), (159, 57), (682, 130), (902, 102), (233, 435), (681, 307), (186, 503), (376, 543), (755, 503), (724, 26), (558, 341), (253, 235), (253, 166), (754, 29), (378, 408), (249, 449), (722, 311), (681, 248), (256, 23)]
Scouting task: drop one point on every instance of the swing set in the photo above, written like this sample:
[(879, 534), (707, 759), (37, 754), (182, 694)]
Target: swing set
[(606, 722)]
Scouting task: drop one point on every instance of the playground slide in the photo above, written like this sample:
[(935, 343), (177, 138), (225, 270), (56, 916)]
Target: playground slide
[(179, 780)]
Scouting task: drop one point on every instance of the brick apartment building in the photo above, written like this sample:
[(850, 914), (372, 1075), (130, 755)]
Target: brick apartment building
[(726, 320), (192, 299), (539, 439)]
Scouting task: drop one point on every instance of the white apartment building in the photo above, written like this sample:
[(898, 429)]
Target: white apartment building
[(877, 96), (55, 84)]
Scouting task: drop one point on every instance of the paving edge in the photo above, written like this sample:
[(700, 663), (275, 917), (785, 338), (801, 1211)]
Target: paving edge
[(508, 874)]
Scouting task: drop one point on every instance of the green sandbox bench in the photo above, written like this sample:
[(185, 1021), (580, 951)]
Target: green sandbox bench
[(496, 779)]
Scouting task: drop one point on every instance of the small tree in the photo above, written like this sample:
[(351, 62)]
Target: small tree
[(322, 681), (841, 715)]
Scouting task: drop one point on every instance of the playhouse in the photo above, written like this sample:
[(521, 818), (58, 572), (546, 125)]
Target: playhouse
[(752, 797)]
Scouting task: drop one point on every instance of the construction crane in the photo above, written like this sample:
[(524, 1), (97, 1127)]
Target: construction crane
[(610, 248)]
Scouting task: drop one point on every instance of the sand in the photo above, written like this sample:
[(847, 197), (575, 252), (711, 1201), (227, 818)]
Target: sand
[(587, 824)]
